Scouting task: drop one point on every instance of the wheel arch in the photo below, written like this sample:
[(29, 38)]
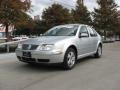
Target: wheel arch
[(74, 47), (100, 44)]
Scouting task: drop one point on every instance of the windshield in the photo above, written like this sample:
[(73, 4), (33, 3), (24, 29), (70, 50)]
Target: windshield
[(69, 30)]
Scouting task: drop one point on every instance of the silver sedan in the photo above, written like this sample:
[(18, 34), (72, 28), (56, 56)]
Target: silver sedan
[(62, 44)]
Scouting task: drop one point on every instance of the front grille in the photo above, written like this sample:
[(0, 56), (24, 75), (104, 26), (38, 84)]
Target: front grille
[(29, 47), (25, 46)]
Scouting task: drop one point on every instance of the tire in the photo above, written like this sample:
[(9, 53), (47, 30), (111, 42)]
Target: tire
[(69, 59), (98, 53)]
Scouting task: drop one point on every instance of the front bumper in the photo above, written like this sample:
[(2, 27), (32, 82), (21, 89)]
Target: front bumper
[(41, 56)]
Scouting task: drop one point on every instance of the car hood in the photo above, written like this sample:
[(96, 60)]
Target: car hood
[(46, 40)]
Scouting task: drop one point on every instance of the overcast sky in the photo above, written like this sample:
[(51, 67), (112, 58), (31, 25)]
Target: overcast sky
[(39, 5)]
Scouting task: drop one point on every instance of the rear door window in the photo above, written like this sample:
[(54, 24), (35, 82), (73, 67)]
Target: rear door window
[(92, 32)]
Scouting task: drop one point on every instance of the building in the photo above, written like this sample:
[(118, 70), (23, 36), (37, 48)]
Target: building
[(37, 17), (2, 30)]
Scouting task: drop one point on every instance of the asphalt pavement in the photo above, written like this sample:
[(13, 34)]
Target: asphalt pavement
[(89, 73)]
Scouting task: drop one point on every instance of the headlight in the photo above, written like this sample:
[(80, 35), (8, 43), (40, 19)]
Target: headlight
[(46, 47), (19, 46)]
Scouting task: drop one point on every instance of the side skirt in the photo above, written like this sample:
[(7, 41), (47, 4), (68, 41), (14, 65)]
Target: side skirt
[(85, 55)]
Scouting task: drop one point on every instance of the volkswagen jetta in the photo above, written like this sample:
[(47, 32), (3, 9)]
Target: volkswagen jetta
[(62, 44)]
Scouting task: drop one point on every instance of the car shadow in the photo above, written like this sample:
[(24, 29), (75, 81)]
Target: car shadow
[(42, 67)]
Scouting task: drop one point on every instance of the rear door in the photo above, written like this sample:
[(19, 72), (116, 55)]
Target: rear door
[(93, 38)]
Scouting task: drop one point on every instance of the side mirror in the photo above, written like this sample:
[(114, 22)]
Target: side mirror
[(82, 35)]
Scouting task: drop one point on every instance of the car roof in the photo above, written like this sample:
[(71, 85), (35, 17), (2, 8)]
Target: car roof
[(73, 25)]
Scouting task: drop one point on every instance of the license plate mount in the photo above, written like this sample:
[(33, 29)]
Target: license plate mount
[(27, 54)]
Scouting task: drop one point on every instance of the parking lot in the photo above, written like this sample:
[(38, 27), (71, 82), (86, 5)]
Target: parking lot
[(89, 73)]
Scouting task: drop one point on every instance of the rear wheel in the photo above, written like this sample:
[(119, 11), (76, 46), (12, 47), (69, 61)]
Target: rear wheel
[(98, 54), (69, 59)]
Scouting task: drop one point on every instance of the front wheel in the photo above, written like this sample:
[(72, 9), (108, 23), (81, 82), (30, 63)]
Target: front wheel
[(69, 59), (98, 54)]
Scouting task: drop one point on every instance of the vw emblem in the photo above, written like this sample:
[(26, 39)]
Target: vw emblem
[(29, 47)]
